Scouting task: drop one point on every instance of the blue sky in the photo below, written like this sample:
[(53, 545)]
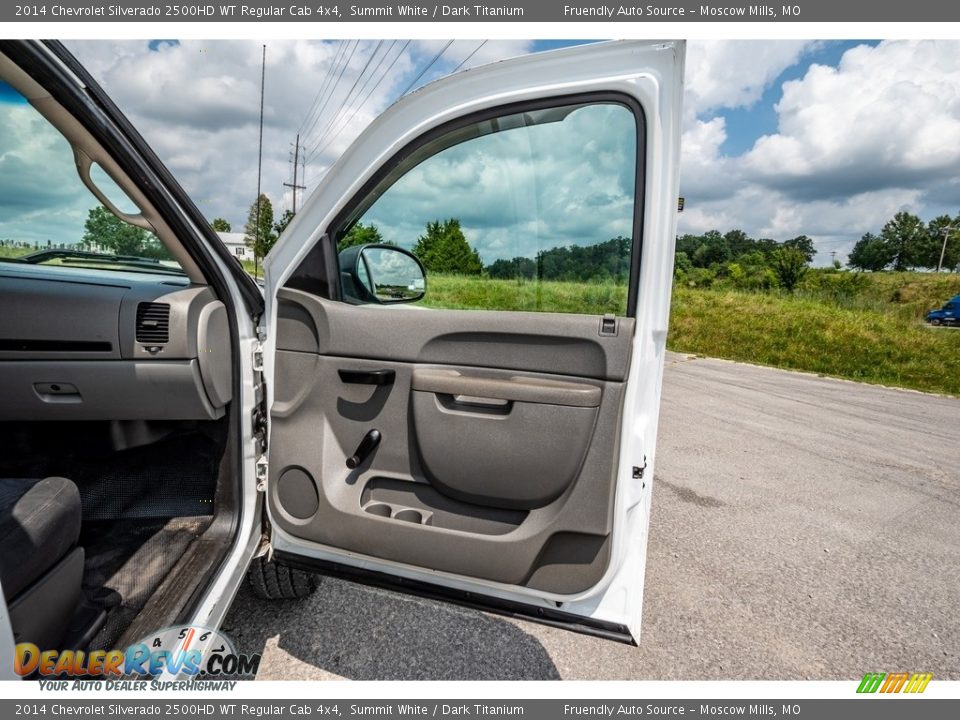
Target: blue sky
[(781, 137), (746, 124)]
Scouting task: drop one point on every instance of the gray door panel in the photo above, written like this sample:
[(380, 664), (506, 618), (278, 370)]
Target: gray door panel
[(496, 465), (538, 342)]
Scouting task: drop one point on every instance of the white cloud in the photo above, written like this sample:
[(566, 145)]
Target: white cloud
[(887, 117), (730, 74), (854, 144), (197, 103)]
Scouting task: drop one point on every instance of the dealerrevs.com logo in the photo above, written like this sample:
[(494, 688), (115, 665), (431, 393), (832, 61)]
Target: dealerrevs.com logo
[(900, 682), (167, 658)]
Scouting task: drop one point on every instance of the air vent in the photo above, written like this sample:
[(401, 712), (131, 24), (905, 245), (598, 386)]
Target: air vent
[(153, 323)]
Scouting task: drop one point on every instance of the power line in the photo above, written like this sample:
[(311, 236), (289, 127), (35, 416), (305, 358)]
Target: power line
[(316, 149), (363, 102), (333, 87), (463, 62), (346, 98), (331, 69), (429, 65), (344, 106)]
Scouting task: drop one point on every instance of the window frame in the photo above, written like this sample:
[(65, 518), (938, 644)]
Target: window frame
[(349, 212)]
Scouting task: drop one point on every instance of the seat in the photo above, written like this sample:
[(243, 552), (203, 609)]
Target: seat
[(41, 567)]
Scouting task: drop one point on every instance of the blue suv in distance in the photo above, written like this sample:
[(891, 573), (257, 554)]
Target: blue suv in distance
[(949, 314)]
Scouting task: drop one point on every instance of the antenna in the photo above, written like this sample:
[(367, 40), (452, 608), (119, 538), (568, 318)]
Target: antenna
[(256, 241)]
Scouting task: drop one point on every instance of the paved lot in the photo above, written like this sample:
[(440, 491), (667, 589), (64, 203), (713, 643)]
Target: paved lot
[(802, 528)]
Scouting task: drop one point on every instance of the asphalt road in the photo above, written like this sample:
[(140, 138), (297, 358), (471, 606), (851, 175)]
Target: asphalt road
[(803, 528)]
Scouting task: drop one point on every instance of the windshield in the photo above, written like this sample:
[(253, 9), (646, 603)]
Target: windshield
[(48, 216)]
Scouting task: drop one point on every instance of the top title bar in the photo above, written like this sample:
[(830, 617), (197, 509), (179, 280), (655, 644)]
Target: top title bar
[(313, 11)]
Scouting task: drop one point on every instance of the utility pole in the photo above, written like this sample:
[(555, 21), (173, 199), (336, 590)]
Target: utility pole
[(256, 240), (296, 161), (943, 250)]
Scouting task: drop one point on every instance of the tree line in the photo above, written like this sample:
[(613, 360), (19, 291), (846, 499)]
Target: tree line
[(906, 242), (736, 259), (443, 248)]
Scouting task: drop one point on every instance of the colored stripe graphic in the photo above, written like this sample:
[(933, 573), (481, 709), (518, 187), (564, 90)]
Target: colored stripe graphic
[(871, 682), (894, 682), (918, 682)]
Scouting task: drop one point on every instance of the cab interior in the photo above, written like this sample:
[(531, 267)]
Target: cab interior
[(118, 472)]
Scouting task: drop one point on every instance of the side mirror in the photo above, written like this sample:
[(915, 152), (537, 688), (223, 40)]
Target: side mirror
[(383, 274)]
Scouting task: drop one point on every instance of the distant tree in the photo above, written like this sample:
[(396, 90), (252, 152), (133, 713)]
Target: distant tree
[(518, 267), (738, 242), (688, 244), (280, 225), (804, 245), (712, 249), (790, 265), (220, 225), (767, 245), (871, 253), (443, 248), (360, 234), (261, 240), (905, 235), (104, 231)]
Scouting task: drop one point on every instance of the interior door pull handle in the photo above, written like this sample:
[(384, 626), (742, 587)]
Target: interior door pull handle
[(368, 377), (366, 446)]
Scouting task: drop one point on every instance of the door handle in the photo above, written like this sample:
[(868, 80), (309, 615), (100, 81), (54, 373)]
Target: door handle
[(368, 377), (366, 446)]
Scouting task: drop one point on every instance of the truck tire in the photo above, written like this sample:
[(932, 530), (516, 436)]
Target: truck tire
[(272, 580)]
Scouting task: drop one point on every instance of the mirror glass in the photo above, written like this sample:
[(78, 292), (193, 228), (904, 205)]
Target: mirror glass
[(390, 275)]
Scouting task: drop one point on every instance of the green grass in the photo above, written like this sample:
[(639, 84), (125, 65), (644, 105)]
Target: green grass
[(875, 334), (14, 252), (869, 344), (470, 292), (248, 265)]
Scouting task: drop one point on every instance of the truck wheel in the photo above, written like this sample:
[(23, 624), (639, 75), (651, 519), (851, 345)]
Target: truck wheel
[(272, 580), (935, 322)]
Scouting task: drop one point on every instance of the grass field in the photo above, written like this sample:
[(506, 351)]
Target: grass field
[(14, 252), (873, 334), (875, 344)]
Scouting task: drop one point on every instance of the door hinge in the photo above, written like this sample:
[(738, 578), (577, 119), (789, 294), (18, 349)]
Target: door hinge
[(262, 469), (639, 470), (259, 418)]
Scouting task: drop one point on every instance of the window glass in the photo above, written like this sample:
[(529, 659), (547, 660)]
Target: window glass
[(48, 216), (532, 211)]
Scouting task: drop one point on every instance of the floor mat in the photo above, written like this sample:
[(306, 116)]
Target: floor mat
[(172, 478), (126, 561), (175, 477)]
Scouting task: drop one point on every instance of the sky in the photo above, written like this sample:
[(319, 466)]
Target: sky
[(780, 137)]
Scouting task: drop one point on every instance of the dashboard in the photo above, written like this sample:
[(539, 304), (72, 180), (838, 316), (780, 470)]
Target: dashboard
[(81, 344)]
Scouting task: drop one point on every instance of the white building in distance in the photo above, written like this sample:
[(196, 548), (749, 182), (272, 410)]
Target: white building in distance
[(236, 245)]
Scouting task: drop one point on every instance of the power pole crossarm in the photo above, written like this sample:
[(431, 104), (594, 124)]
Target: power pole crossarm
[(294, 186)]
